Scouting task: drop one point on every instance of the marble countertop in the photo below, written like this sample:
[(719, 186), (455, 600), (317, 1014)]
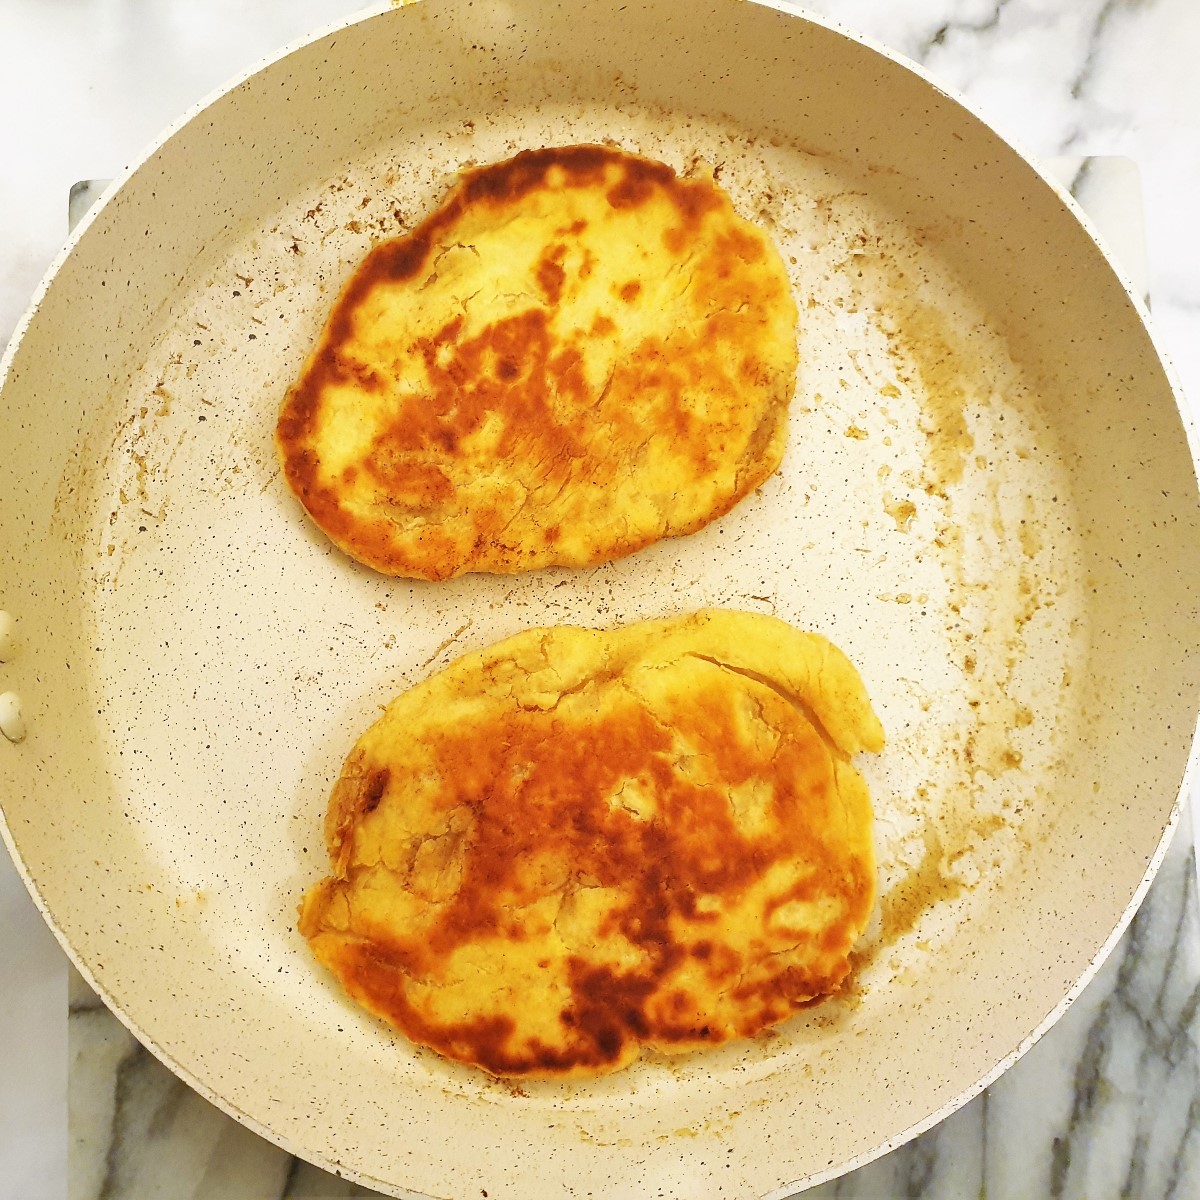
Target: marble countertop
[(1109, 1103)]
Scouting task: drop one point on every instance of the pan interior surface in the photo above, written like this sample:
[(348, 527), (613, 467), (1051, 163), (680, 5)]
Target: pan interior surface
[(986, 501)]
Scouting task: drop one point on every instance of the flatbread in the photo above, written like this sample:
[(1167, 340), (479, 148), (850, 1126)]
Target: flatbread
[(575, 844), (577, 354)]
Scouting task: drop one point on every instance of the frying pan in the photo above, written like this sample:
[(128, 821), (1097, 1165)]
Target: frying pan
[(988, 502)]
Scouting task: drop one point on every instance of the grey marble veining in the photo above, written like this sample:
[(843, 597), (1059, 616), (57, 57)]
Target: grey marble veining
[(136, 1131)]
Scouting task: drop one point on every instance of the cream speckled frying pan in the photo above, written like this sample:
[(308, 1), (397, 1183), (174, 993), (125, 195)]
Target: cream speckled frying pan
[(988, 501)]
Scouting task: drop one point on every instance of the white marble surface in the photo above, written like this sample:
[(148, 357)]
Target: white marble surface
[(1110, 1107)]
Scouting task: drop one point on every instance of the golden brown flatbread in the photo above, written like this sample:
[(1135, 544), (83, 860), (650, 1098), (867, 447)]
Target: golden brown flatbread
[(577, 843), (577, 354)]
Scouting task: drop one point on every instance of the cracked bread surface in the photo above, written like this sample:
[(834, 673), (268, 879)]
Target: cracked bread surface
[(576, 844), (577, 354)]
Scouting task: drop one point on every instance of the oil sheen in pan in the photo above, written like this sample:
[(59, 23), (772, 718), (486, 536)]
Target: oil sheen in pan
[(921, 520)]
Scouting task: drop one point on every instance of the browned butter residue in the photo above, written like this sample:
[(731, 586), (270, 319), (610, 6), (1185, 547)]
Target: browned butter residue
[(923, 887), (901, 511), (937, 353), (928, 357)]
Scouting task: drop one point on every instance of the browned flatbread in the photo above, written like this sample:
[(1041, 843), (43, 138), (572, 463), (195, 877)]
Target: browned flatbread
[(577, 354), (575, 844)]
